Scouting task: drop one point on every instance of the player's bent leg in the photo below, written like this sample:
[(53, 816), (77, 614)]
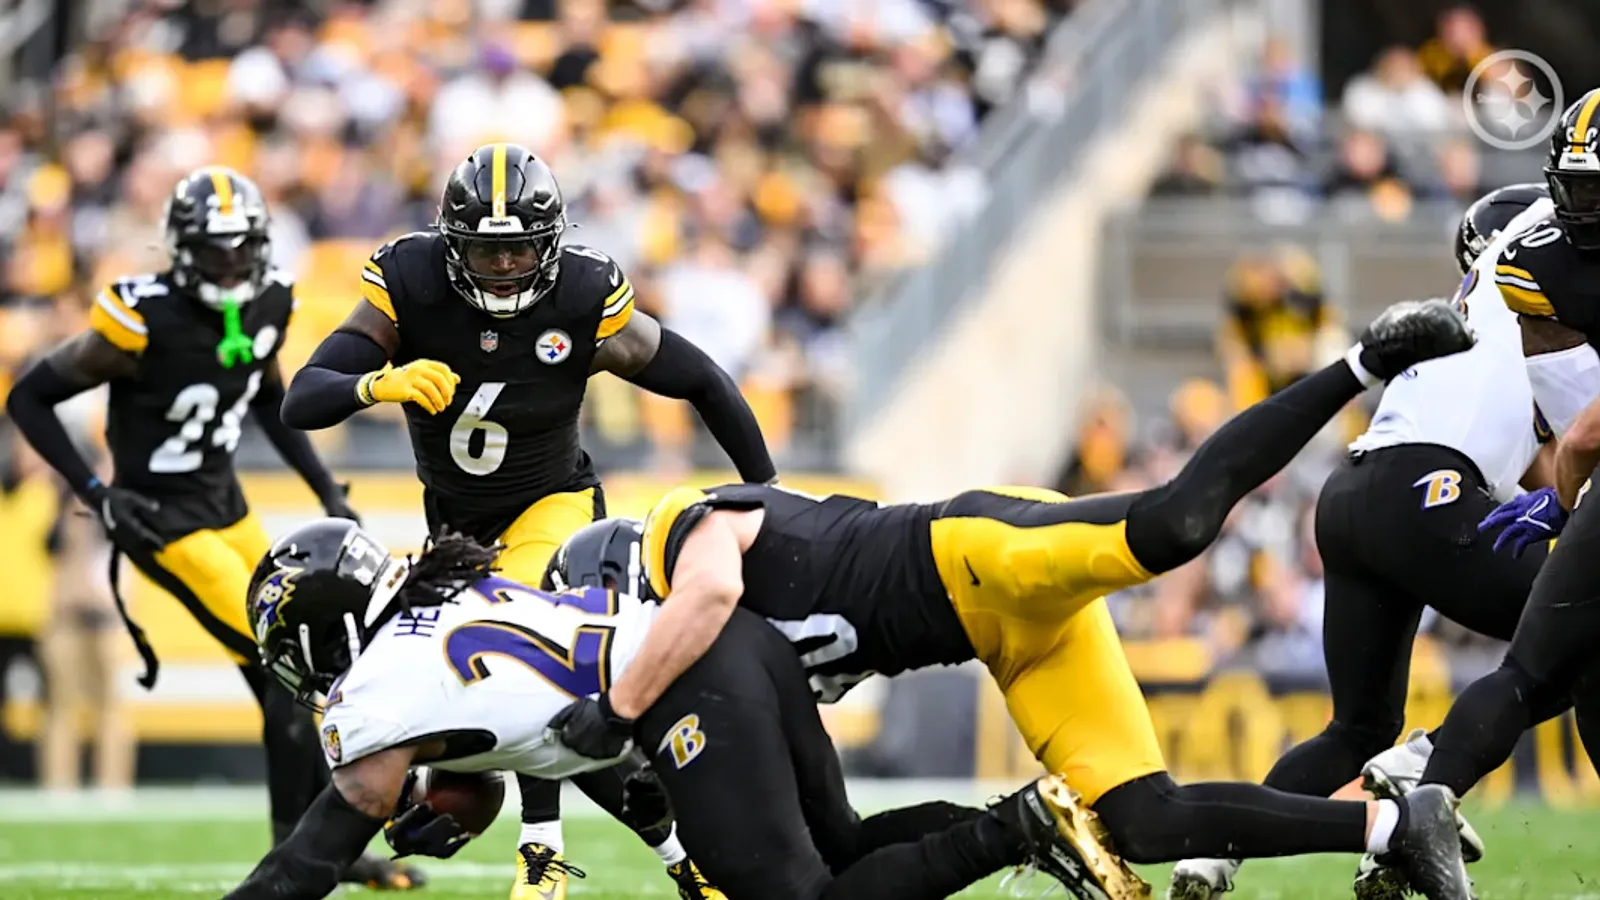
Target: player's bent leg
[(530, 541), (605, 788)]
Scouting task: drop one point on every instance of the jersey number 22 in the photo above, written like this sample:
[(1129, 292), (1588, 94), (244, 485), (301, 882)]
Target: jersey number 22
[(579, 669)]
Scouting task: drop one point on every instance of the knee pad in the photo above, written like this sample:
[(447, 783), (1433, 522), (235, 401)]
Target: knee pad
[(1144, 820)]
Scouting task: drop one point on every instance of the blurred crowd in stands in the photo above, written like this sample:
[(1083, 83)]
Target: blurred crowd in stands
[(755, 165), (1393, 136)]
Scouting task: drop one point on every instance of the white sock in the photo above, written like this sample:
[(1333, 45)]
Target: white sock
[(546, 833), (670, 851), (1353, 360), (1383, 828)]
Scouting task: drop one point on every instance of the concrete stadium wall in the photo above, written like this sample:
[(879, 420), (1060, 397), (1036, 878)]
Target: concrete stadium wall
[(994, 400)]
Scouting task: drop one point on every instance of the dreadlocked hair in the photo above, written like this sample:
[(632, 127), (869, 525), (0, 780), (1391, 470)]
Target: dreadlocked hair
[(447, 564)]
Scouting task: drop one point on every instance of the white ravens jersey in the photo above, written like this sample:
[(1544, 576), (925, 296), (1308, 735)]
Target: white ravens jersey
[(1480, 402), (486, 670)]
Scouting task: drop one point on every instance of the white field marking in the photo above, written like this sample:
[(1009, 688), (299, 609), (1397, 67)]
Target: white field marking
[(249, 803)]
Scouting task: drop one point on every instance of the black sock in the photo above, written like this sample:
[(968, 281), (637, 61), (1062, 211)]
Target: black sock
[(1317, 767), (1172, 524), (1480, 732), (1153, 820), (935, 867), (541, 799)]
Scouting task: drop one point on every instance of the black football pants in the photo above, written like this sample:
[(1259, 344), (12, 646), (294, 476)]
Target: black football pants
[(758, 793), (1397, 529), (1552, 661)]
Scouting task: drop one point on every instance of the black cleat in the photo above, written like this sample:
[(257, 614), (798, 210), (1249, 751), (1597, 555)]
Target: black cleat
[(1067, 841), (382, 874), (1411, 332), (1428, 849)]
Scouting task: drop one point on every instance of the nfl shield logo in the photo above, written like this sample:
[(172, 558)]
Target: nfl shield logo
[(489, 341)]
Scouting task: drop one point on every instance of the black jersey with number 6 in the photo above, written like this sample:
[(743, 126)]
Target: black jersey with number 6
[(852, 584), (510, 436), (173, 428)]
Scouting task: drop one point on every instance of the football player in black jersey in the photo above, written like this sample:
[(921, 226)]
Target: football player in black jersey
[(487, 330), (1014, 577), (1551, 278), (187, 353)]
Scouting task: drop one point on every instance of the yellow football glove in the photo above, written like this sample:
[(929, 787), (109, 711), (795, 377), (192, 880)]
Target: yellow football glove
[(425, 382)]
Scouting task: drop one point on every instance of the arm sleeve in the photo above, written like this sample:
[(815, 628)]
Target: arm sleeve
[(323, 393), (32, 406), (307, 865), (291, 444), (682, 371)]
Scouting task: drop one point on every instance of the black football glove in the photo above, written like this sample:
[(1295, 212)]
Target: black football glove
[(645, 804), (590, 728), (338, 506), (417, 830), (128, 517)]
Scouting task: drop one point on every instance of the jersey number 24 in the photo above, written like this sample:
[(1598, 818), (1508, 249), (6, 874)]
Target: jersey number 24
[(195, 408)]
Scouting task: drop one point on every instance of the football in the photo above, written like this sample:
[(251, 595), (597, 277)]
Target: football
[(474, 799)]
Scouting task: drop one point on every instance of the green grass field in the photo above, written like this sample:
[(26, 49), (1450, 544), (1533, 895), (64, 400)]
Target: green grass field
[(199, 843)]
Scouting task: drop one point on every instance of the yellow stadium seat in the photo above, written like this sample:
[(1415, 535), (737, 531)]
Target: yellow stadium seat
[(204, 90), (536, 44)]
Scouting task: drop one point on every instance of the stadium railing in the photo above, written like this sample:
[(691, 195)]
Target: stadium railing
[(1094, 62)]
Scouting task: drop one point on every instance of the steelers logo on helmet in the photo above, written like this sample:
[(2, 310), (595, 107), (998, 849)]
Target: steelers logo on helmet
[(553, 346), (502, 217), (216, 235)]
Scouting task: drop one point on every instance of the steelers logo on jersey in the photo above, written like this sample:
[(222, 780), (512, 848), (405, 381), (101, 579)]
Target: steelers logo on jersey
[(553, 346)]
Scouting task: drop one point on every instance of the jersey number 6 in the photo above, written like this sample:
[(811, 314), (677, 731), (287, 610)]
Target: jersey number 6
[(581, 670), (493, 452)]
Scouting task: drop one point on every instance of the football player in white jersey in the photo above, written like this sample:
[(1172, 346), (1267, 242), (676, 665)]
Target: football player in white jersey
[(1397, 529), (438, 661)]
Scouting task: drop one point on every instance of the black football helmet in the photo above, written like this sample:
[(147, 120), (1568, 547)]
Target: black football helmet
[(502, 217), (604, 554), (216, 236), (1573, 172), (316, 599), (1489, 215)]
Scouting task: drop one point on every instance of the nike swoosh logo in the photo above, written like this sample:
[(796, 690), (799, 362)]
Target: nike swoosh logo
[(1511, 253), (616, 276), (975, 581), (458, 206)]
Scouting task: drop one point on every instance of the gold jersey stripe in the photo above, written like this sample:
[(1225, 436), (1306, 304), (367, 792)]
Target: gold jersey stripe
[(378, 296), (1515, 272), (658, 531), (115, 325), (1580, 130), (1526, 302), (618, 312)]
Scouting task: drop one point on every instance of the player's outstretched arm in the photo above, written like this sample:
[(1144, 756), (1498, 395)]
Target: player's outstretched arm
[(293, 445), (324, 392), (78, 364), (663, 362), (333, 832)]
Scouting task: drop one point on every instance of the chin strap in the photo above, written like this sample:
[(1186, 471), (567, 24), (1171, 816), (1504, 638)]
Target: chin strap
[(235, 348)]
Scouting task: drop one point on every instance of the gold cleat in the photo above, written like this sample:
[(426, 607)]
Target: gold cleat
[(542, 873), (1088, 840), (691, 884)]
